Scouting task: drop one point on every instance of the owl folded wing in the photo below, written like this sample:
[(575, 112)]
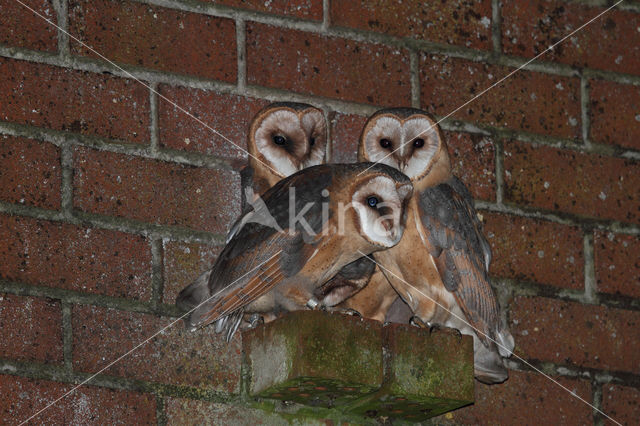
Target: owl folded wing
[(461, 254)]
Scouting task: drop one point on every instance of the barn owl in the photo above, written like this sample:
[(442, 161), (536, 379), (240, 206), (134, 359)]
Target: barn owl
[(284, 137), (273, 265), (443, 254)]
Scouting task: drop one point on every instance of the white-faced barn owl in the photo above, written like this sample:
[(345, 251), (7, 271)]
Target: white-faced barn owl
[(284, 137), (443, 253), (277, 265)]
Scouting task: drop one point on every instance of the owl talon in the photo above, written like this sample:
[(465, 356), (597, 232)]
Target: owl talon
[(255, 320), (417, 322), (351, 312)]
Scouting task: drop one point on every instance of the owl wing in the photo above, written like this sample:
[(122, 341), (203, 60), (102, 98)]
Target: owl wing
[(263, 250), (461, 253)]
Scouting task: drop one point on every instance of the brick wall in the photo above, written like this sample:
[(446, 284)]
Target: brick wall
[(112, 199)]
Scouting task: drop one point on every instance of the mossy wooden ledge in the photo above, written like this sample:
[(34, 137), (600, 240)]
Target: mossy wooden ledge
[(359, 366)]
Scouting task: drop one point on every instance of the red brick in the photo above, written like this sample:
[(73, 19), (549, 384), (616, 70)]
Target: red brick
[(155, 191), (577, 335), (327, 66), (573, 182), (459, 22), (201, 359), (181, 411), (622, 403), (345, 135), (183, 263), (23, 28), (535, 250), (612, 42), (473, 161), (615, 113), (229, 115), (528, 101), (527, 398), (88, 405), (155, 37), (75, 101), (30, 172), (30, 329), (66, 256), (304, 9), (617, 263)]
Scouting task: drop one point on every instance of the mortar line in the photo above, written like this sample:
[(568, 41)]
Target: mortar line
[(584, 109), (499, 160), (590, 283), (329, 146), (154, 130), (67, 336), (326, 15), (161, 415), (414, 77), (596, 389), (66, 157), (241, 52), (496, 27), (157, 272), (62, 9)]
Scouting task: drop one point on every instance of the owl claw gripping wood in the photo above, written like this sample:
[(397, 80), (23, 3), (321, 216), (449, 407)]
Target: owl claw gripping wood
[(327, 215)]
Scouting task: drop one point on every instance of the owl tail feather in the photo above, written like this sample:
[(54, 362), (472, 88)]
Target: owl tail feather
[(506, 342), (194, 294), (488, 366)]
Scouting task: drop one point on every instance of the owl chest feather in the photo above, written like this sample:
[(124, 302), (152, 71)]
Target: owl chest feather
[(413, 273)]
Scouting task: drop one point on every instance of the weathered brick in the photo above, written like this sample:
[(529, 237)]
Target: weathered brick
[(30, 172), (155, 191), (473, 161), (345, 134), (426, 374), (201, 359), (527, 100), (327, 66), (229, 115), (23, 28), (535, 250), (612, 42), (574, 334), (599, 186), (617, 263), (622, 403), (75, 101), (464, 23), (88, 405), (304, 9), (30, 329), (302, 357), (71, 257), (524, 399), (183, 263), (615, 113), (155, 37), (181, 411)]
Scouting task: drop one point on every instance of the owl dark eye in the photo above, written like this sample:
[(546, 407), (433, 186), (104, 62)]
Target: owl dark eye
[(279, 140), (418, 143), (372, 201), (312, 141), (385, 143)]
